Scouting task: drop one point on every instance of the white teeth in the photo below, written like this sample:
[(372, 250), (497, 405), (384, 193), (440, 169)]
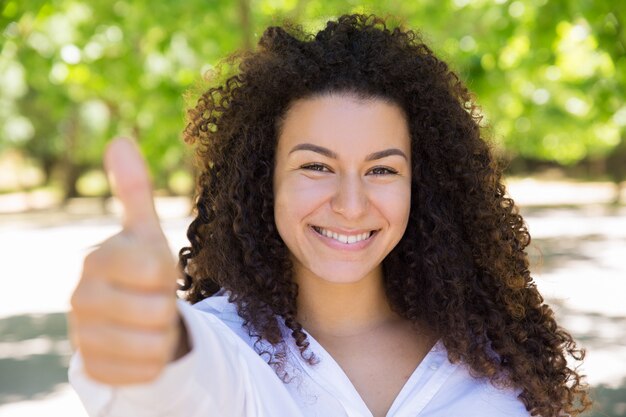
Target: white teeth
[(343, 238)]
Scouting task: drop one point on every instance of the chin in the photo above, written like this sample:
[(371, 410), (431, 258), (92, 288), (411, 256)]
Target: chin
[(342, 274)]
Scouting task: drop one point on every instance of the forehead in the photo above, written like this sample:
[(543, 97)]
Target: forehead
[(345, 123)]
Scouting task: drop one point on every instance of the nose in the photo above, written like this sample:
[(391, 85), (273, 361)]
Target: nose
[(350, 198)]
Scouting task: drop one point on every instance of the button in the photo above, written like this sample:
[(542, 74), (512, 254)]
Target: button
[(434, 366)]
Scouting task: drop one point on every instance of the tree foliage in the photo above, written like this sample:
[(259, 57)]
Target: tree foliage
[(549, 74)]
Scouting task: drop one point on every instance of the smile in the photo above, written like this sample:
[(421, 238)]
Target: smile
[(345, 239)]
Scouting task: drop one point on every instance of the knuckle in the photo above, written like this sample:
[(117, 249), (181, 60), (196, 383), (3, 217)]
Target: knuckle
[(72, 322), (74, 341), (85, 297), (95, 369), (92, 260), (78, 302), (90, 340), (75, 301)]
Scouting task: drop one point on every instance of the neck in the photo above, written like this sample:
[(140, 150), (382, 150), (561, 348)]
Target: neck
[(342, 309)]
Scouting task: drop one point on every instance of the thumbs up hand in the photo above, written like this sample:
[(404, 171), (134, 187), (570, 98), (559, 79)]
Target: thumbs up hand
[(124, 318)]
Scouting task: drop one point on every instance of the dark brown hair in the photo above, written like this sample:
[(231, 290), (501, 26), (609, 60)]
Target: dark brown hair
[(461, 265)]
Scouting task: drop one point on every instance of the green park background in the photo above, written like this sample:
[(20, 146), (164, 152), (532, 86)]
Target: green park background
[(549, 75)]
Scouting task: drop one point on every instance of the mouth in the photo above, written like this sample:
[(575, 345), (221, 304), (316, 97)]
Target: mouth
[(345, 239)]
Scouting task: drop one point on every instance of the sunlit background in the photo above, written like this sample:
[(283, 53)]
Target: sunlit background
[(550, 76)]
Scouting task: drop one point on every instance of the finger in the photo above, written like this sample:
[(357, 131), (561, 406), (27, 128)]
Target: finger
[(107, 304), (71, 331), (130, 183), (120, 372), (131, 265), (150, 311), (108, 341)]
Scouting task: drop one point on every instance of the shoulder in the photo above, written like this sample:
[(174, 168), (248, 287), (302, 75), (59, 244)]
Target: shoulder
[(218, 307), (478, 397), (501, 401)]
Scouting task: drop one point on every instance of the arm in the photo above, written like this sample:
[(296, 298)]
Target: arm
[(142, 353), (219, 376)]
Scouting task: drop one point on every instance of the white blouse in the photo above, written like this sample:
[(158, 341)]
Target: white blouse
[(223, 376)]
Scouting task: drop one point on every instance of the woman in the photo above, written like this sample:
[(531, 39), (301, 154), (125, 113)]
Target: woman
[(352, 232)]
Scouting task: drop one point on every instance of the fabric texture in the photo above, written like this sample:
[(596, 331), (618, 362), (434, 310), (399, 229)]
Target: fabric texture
[(224, 376)]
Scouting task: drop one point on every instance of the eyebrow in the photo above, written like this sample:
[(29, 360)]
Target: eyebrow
[(330, 154), (385, 153), (314, 148)]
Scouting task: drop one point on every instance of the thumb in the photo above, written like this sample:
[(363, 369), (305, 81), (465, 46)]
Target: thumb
[(130, 183)]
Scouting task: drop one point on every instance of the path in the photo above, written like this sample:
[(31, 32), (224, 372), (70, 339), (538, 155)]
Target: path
[(581, 271)]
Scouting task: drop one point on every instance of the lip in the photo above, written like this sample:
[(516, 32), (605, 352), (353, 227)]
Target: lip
[(335, 244), (339, 231)]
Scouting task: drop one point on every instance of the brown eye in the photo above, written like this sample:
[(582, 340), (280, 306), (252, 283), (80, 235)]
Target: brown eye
[(316, 167), (383, 171)]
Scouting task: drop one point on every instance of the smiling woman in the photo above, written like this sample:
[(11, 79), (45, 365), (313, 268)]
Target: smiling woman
[(353, 253), (342, 198)]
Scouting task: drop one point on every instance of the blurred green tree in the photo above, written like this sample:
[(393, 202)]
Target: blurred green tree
[(549, 74), (75, 73)]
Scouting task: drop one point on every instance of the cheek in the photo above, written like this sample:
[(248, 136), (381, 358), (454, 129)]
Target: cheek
[(296, 199), (395, 204)]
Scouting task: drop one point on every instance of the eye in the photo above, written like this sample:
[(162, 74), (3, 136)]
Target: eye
[(316, 167), (383, 171)]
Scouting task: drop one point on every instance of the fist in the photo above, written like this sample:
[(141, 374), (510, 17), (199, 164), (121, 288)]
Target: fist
[(123, 315)]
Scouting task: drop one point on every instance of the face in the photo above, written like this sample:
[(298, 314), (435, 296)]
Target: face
[(342, 185)]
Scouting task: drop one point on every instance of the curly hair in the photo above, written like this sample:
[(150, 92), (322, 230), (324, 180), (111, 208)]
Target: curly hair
[(461, 264)]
